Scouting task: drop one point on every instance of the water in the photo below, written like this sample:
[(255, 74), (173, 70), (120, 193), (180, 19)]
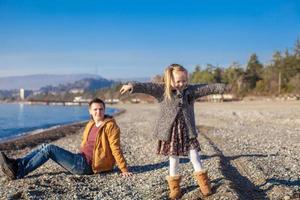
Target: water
[(20, 119)]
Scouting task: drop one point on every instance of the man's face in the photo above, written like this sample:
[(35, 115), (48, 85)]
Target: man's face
[(97, 111)]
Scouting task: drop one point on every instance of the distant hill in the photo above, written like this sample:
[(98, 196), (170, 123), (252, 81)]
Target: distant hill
[(87, 84), (139, 79), (35, 82)]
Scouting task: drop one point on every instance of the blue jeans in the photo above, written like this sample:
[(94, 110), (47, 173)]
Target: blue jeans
[(74, 163)]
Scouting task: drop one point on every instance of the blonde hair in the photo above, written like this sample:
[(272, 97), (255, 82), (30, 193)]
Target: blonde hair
[(168, 76)]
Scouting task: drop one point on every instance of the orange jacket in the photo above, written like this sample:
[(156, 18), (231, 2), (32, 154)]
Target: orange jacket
[(107, 150)]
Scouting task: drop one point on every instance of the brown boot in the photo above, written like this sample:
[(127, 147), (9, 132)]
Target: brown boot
[(203, 182), (174, 185)]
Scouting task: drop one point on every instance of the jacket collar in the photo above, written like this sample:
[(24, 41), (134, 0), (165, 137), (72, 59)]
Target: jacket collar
[(107, 118)]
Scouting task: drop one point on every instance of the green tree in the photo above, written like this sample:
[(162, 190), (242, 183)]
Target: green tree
[(253, 71), (195, 76), (231, 76), (218, 74), (297, 48), (211, 74), (272, 74)]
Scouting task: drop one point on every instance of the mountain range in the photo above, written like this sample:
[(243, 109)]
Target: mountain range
[(35, 82), (86, 84)]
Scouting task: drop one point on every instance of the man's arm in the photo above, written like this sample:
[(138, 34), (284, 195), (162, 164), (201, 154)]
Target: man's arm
[(113, 133)]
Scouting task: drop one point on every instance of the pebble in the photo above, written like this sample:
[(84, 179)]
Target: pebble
[(286, 197)]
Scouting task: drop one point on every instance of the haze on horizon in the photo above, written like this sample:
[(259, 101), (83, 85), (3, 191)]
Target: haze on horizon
[(121, 39)]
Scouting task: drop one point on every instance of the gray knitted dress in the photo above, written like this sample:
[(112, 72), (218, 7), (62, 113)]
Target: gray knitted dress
[(175, 128), (179, 142)]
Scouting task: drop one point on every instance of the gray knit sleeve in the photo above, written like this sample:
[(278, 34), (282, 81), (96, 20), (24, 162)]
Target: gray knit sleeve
[(200, 90), (153, 89)]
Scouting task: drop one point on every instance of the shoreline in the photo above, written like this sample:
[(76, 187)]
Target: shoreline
[(33, 138)]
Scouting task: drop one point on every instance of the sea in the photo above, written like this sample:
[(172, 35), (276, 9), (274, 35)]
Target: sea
[(17, 119)]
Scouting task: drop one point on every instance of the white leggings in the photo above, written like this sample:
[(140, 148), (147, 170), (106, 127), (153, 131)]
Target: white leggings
[(194, 157)]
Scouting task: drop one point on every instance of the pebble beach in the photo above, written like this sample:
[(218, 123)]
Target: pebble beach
[(251, 150)]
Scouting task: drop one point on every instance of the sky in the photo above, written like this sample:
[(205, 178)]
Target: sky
[(139, 38)]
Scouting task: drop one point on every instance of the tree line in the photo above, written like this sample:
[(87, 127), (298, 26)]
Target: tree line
[(281, 75)]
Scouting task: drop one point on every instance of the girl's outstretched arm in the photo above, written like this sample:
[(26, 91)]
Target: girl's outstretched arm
[(207, 89), (153, 89), (126, 88)]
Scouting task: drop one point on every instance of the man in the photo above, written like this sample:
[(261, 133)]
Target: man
[(100, 150)]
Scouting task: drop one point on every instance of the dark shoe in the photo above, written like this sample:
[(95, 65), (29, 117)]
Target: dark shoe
[(8, 166)]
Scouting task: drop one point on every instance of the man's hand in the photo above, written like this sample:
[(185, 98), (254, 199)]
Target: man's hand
[(126, 88), (126, 174)]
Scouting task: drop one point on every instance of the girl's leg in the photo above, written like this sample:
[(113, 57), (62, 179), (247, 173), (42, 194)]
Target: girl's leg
[(174, 161), (174, 179), (200, 175), (75, 163), (196, 160)]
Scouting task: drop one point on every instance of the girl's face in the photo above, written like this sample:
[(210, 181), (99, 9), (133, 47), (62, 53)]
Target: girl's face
[(179, 80)]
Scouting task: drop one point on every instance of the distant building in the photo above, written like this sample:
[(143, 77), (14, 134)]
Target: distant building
[(81, 99), (77, 99), (76, 91), (111, 101), (22, 93), (135, 100), (37, 92)]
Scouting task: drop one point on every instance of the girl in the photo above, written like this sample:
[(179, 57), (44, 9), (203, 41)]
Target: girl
[(175, 128)]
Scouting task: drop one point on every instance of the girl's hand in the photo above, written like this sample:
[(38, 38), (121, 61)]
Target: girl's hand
[(126, 88), (126, 174)]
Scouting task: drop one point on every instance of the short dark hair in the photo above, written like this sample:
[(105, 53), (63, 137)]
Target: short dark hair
[(97, 100)]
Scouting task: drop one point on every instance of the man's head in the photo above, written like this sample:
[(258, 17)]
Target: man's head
[(97, 109)]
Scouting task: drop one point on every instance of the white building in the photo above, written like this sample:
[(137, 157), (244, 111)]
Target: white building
[(22, 93)]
